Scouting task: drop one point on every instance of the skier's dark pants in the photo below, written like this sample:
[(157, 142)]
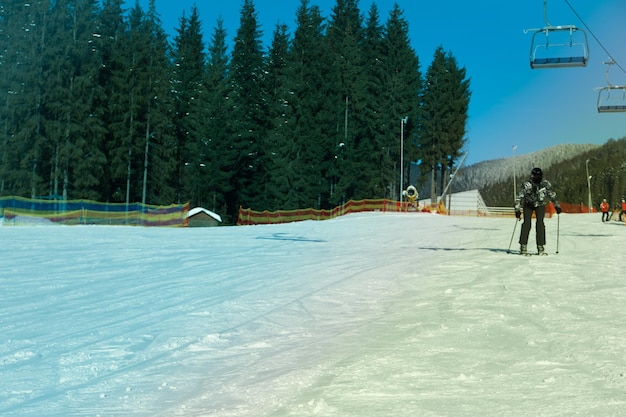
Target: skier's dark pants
[(540, 228)]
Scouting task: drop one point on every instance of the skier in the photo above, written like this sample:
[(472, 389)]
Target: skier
[(534, 195), (623, 210), (604, 208)]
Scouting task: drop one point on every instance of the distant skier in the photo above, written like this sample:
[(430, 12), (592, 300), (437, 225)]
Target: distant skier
[(623, 210), (534, 195), (604, 208)]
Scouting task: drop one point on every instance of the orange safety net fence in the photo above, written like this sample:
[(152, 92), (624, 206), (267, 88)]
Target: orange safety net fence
[(250, 217)]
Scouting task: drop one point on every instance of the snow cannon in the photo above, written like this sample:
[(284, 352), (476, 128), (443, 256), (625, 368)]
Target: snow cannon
[(412, 196)]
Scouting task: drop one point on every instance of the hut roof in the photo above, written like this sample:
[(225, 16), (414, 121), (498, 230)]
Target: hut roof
[(197, 210)]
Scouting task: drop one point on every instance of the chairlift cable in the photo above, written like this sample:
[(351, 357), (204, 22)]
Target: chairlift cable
[(595, 37)]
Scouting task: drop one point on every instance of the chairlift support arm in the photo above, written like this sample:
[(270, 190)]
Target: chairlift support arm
[(545, 12)]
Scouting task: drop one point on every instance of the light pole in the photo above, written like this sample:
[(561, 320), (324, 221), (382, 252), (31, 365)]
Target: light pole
[(402, 123), (514, 170), (588, 184)]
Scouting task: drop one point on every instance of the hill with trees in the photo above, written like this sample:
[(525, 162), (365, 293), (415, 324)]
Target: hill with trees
[(499, 170), (565, 166)]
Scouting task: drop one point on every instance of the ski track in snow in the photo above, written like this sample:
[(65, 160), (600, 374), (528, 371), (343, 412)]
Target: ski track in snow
[(373, 314)]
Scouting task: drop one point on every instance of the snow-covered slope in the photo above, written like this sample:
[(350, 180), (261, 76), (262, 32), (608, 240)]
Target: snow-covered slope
[(365, 315)]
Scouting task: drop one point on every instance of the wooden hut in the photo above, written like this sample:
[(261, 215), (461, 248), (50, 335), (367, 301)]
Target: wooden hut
[(201, 217)]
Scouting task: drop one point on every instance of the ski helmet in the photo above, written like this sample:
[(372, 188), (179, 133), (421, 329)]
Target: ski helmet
[(536, 175)]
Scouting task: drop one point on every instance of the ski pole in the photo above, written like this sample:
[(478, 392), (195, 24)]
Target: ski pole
[(512, 236), (558, 218)]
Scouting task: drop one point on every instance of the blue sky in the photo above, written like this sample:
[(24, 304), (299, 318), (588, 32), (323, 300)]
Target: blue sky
[(511, 104)]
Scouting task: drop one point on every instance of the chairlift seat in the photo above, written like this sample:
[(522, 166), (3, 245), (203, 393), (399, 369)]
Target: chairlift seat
[(559, 62), (611, 109), (559, 47)]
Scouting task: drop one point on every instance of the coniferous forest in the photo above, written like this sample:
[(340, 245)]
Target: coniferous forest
[(97, 102)]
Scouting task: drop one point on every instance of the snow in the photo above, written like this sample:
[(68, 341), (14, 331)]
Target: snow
[(373, 314)]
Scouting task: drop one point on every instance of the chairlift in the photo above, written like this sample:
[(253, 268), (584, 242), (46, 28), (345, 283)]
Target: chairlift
[(611, 98), (558, 46)]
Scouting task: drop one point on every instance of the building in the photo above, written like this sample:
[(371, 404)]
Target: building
[(201, 217)]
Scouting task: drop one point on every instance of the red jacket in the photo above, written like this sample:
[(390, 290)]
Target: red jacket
[(604, 207)]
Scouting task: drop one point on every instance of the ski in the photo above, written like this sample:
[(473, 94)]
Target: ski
[(529, 253)]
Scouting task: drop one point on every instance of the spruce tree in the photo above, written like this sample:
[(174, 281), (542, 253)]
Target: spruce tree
[(377, 175), (313, 144), (22, 144), (345, 39), (444, 115), (125, 106), (459, 99), (220, 153), (400, 100), (247, 113), (86, 162), (69, 97), (113, 39), (189, 77), (142, 162), (159, 156), (58, 77), (281, 121), (435, 109)]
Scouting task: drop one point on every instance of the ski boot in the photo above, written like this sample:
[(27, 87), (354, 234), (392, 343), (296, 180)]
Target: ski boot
[(523, 249), (540, 250)]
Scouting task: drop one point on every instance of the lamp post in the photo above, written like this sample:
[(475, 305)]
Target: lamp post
[(402, 123), (588, 184), (514, 172)]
